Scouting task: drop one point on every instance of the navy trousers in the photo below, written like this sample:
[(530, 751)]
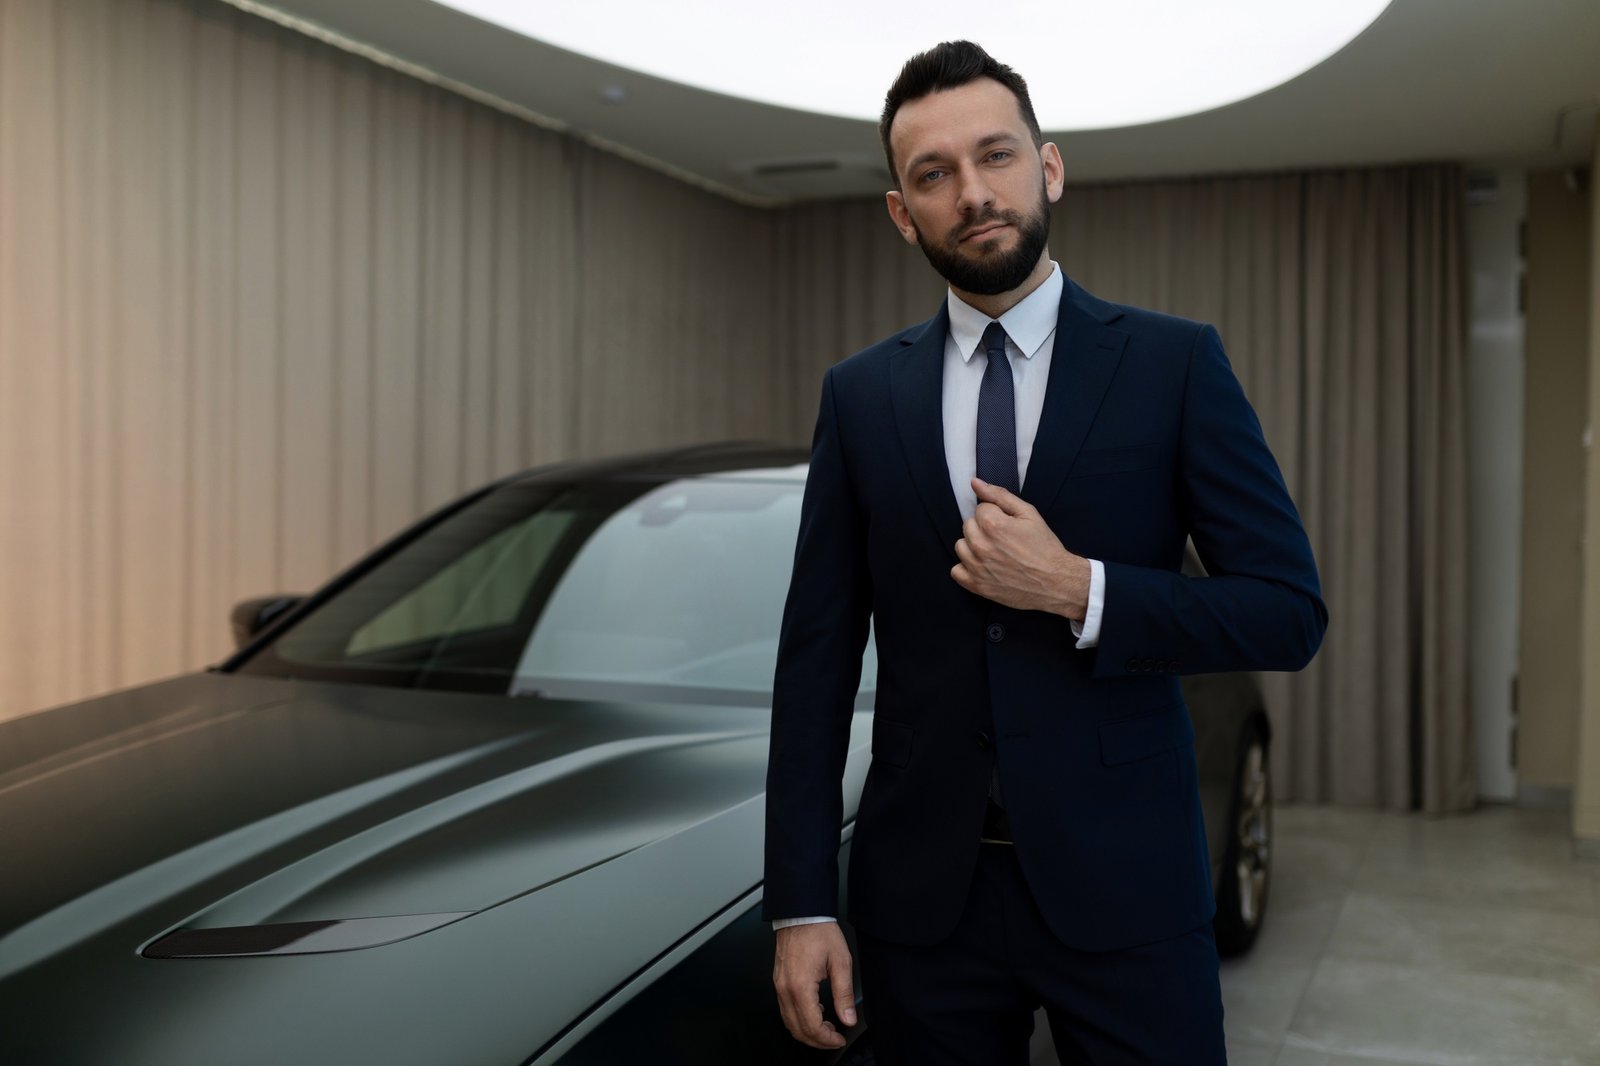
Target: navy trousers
[(970, 1000)]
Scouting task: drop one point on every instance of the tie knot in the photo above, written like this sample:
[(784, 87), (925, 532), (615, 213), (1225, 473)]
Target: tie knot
[(994, 339)]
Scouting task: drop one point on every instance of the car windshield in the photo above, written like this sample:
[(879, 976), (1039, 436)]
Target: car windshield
[(612, 589)]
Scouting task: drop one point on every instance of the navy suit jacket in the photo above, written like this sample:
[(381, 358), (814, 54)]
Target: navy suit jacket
[(1145, 439)]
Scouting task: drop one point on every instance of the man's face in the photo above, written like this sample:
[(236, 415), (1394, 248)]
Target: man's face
[(974, 192)]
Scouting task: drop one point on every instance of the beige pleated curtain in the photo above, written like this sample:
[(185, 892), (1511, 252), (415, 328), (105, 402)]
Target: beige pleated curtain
[(1339, 296), (262, 303)]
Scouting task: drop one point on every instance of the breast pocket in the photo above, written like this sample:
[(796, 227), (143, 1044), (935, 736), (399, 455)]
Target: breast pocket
[(1119, 460)]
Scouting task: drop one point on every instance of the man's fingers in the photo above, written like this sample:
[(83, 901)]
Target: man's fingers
[(805, 955), (844, 995), (785, 1010), (801, 1009), (1005, 499), (965, 552), (813, 1029), (962, 576)]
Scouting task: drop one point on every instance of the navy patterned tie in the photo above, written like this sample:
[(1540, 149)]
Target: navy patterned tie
[(997, 415), (997, 444)]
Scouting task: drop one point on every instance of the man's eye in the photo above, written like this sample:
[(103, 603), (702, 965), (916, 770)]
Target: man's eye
[(931, 175), (1002, 154)]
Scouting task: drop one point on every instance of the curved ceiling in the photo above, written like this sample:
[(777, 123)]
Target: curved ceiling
[(1485, 82), (835, 57)]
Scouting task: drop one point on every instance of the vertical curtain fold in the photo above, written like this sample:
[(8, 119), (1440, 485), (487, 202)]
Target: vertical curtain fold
[(262, 303)]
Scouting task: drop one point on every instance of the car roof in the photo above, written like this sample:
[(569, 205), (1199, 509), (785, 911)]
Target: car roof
[(739, 460)]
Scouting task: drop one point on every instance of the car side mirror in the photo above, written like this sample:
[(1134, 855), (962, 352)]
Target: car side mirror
[(250, 617)]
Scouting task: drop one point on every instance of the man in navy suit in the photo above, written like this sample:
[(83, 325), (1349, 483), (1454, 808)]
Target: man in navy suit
[(1005, 491)]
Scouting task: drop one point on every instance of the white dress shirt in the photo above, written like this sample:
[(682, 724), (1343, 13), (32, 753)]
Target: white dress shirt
[(1030, 340)]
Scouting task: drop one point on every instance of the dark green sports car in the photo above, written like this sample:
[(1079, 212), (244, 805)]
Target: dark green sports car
[(493, 796)]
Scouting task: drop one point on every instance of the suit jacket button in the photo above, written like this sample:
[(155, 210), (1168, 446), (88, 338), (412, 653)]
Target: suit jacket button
[(997, 632), (983, 740)]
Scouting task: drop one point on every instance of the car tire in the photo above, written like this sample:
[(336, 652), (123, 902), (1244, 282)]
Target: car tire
[(1247, 856)]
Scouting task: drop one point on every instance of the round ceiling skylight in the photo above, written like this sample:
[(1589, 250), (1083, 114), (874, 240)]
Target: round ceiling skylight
[(1088, 65)]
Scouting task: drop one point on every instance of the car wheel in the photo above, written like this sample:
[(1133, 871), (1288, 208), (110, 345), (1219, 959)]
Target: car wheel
[(1247, 857)]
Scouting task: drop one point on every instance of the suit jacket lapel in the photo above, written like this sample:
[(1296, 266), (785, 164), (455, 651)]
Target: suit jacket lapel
[(1082, 364), (916, 384)]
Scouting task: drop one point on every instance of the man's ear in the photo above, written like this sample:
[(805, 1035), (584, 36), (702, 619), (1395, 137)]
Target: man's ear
[(900, 215), (1055, 171)]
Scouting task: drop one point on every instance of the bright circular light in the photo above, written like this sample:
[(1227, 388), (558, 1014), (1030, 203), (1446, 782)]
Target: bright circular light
[(1088, 65)]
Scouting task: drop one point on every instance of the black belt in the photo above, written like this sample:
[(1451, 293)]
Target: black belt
[(996, 825)]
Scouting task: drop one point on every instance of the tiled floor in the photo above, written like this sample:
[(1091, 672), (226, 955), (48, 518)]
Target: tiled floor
[(1397, 939)]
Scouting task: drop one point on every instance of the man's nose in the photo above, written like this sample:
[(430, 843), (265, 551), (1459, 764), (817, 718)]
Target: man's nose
[(976, 195)]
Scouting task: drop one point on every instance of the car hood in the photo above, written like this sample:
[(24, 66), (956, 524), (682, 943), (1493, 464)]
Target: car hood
[(221, 801)]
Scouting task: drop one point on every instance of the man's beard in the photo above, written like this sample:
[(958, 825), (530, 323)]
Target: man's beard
[(997, 273)]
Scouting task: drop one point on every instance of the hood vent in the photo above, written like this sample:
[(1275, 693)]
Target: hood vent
[(296, 938)]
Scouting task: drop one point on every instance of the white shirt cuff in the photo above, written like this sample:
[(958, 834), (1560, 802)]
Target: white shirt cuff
[(784, 923), (1088, 630)]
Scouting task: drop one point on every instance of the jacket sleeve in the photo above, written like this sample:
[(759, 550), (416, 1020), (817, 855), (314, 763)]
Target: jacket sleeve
[(1260, 607), (825, 622)]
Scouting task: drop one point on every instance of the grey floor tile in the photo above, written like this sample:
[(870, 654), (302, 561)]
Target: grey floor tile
[(1309, 870), (1259, 998), (1295, 933), (1338, 823), (1316, 853), (1250, 1054), (1300, 1056), (1318, 850), (1492, 857), (1434, 935), (1414, 1014), (1399, 940)]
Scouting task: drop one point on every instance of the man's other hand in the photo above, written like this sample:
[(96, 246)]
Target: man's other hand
[(1010, 555), (805, 955)]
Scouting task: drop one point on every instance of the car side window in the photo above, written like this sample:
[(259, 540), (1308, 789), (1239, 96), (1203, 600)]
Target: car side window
[(484, 588), (683, 588), (624, 588)]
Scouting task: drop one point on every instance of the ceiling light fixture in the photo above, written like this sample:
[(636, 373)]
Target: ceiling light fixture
[(1088, 65)]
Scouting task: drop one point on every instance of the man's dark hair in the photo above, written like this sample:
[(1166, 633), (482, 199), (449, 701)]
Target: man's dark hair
[(949, 66)]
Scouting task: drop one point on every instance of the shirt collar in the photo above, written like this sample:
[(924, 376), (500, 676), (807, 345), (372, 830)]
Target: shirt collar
[(1028, 324)]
